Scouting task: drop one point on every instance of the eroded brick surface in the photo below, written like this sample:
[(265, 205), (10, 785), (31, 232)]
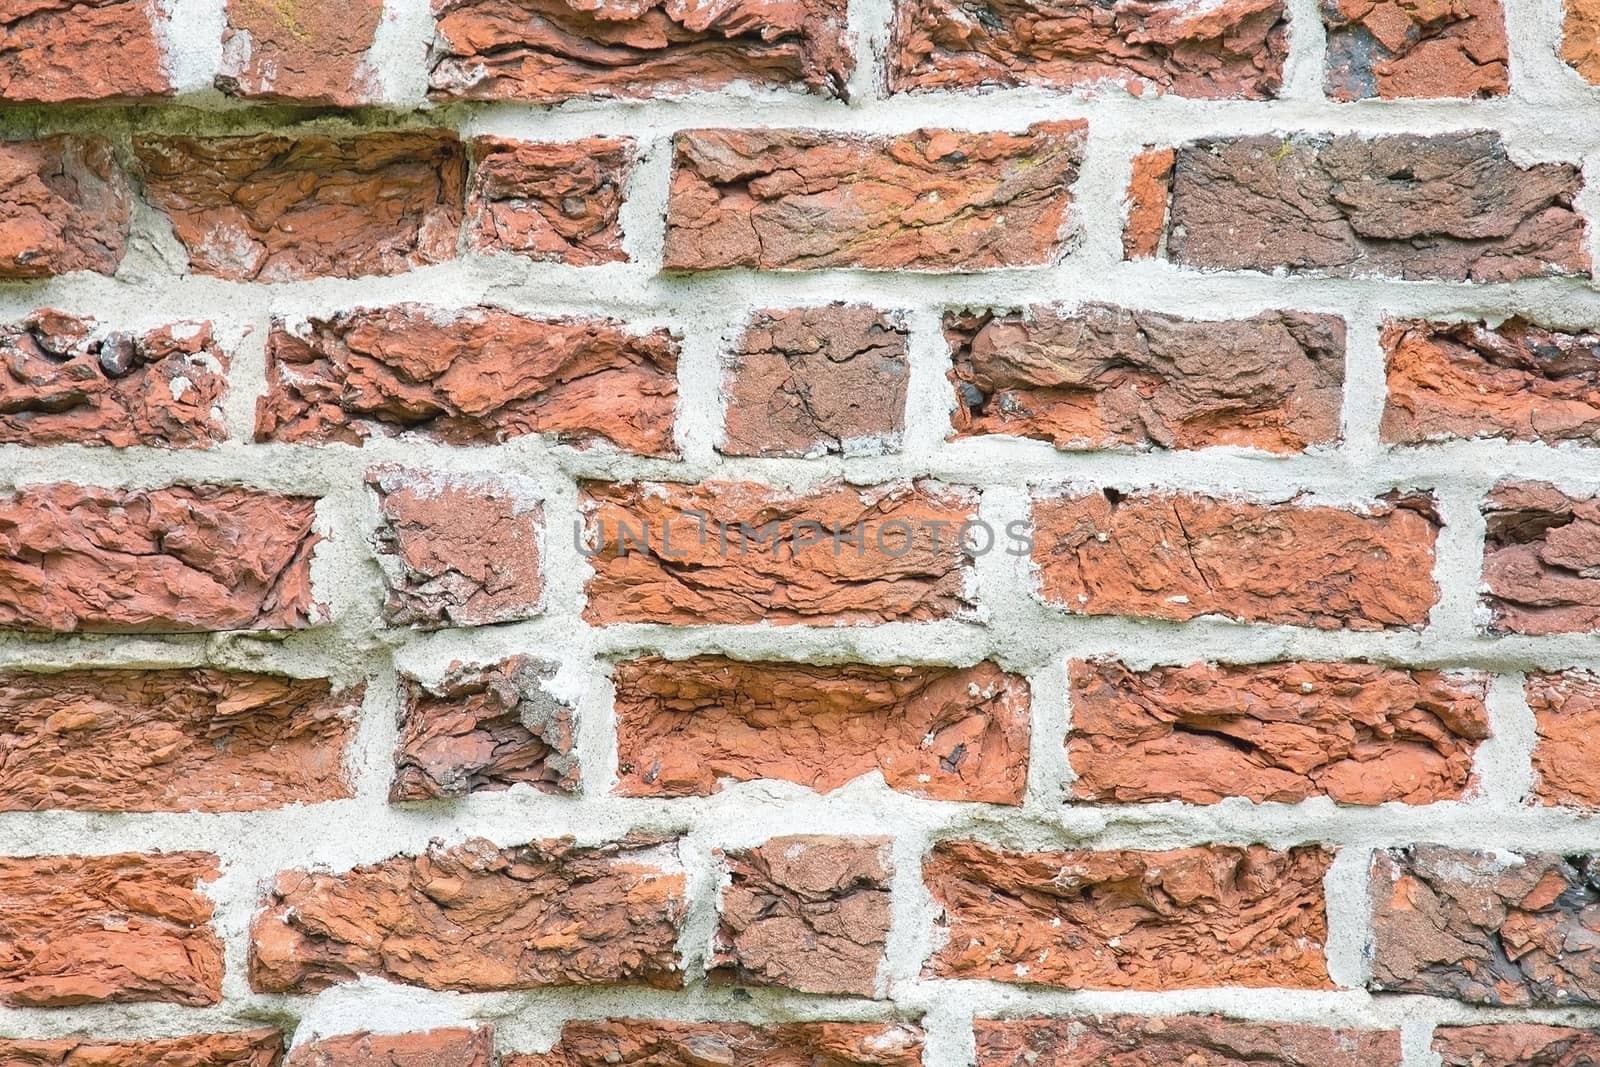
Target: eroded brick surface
[(780, 199), (473, 917), (1102, 376), (63, 207), (118, 928), (1149, 190), (242, 1048), (649, 1043), (1178, 1041), (300, 52), (1516, 1045), (1184, 919), (484, 729), (476, 375), (1394, 49), (1231, 49), (1580, 37), (555, 202), (446, 1047), (1540, 554), (1566, 713), (1283, 732), (1486, 927), (808, 912), (67, 51), (819, 380), (1181, 556), (175, 560)]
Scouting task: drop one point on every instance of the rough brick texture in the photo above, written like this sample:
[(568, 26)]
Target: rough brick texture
[(1105, 376), (484, 729), (648, 1043), (945, 733), (1580, 38), (468, 376), (1183, 919), (171, 740), (66, 380), (1541, 548), (126, 927), (551, 202), (63, 207), (1170, 556), (1515, 1045), (808, 913), (1566, 712), (1178, 1041), (453, 1047), (1231, 49), (68, 51), (241, 1048), (812, 381), (927, 200), (474, 917), (300, 52), (1356, 732), (1394, 49), (1486, 928), (175, 560)]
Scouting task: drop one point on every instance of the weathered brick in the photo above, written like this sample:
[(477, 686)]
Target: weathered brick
[(1184, 919), (1486, 928), (299, 52), (1177, 1041), (549, 50), (64, 380), (1566, 713), (1149, 189), (1394, 49), (457, 549), (1580, 37), (1181, 556), (240, 1048), (813, 381), (65, 51), (474, 917), (63, 207), (652, 564), (946, 733), (448, 1047), (483, 729), (119, 928), (808, 912), (1540, 554), (776, 199), (1102, 376), (1450, 206), (1283, 732), (1231, 49), (276, 208), (1516, 381), (649, 1043), (175, 560), (1516, 1045), (171, 740), (475, 375), (553, 202)]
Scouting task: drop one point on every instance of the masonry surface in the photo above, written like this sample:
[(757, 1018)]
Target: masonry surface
[(482, 495)]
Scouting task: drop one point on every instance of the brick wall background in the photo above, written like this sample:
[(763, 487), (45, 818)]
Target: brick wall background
[(322, 326)]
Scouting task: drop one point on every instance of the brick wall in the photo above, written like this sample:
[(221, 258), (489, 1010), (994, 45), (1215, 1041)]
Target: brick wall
[(341, 724)]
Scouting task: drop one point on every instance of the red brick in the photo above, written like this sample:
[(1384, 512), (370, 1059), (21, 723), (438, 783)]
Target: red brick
[(813, 381), (175, 560), (945, 733), (458, 549), (549, 50), (1516, 1045), (1393, 49), (63, 207), (171, 740), (648, 1043), (775, 199), (300, 53), (477, 918), (476, 375), (1517, 381), (1566, 758), (240, 1048), (1580, 38), (1178, 1041), (276, 208), (453, 1047), (651, 565), (552, 202), (1450, 207), (1149, 190), (1181, 556), (129, 927), (1102, 376), (1541, 548), (67, 381), (1282, 732), (1231, 49), (1190, 918), (65, 51), (484, 729), (807, 912)]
